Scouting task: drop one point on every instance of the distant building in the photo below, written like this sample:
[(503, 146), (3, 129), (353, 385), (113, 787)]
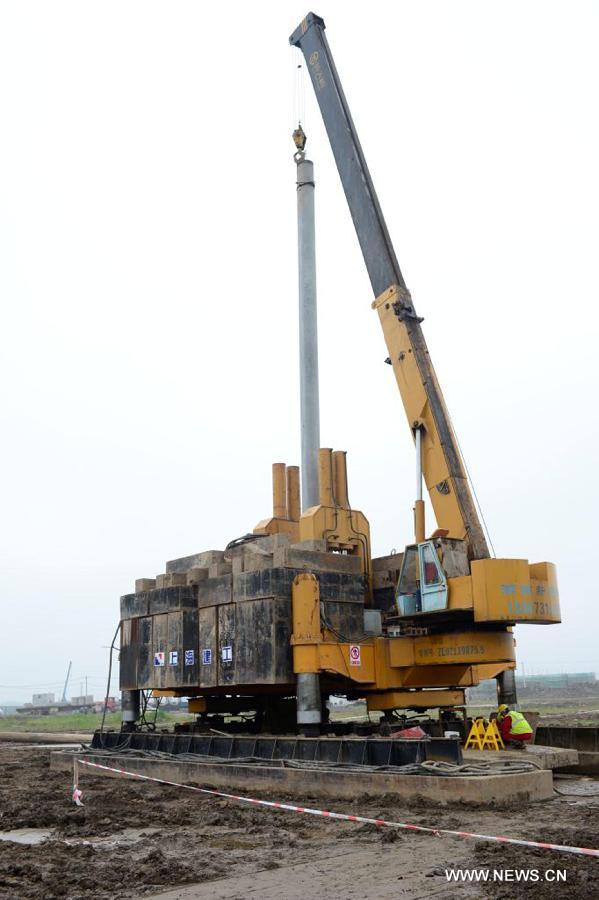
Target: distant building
[(43, 699), (84, 700)]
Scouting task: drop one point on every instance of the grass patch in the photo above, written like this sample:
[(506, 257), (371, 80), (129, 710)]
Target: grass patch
[(83, 723)]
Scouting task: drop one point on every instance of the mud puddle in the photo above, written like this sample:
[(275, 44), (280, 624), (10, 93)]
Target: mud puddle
[(125, 838), (576, 785), (29, 836), (34, 836)]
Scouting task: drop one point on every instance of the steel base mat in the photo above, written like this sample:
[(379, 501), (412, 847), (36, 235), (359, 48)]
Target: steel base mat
[(371, 751)]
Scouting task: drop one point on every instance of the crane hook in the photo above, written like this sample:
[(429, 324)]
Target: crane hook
[(299, 139)]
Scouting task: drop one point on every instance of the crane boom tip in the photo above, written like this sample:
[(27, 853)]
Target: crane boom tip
[(302, 28)]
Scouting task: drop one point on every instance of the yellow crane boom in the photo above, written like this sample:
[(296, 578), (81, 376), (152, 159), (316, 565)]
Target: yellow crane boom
[(442, 465)]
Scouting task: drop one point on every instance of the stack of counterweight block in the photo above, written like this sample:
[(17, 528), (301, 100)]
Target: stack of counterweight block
[(221, 623)]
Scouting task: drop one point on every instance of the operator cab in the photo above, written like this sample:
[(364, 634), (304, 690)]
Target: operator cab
[(422, 585)]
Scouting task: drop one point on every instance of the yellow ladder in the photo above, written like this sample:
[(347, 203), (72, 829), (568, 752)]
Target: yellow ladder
[(476, 736), (492, 739), (481, 738)]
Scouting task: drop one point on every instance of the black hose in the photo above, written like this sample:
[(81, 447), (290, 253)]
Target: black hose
[(112, 647)]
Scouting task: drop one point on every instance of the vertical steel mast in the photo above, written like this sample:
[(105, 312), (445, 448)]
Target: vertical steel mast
[(308, 326), (308, 699)]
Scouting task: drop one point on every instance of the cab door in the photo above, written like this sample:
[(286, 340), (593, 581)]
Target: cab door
[(433, 584), (407, 598)]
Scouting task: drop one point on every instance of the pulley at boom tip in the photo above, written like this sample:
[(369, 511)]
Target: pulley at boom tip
[(307, 22)]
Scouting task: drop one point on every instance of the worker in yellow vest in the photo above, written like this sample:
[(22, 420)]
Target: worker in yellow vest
[(514, 728)]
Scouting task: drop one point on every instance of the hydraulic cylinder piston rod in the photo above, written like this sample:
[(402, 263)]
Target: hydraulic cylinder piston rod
[(419, 504)]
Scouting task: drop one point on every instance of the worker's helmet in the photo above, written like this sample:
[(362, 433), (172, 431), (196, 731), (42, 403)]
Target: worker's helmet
[(503, 709)]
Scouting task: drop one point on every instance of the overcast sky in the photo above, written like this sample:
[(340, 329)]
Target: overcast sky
[(149, 303)]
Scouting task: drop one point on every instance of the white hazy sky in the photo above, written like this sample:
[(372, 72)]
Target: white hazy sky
[(148, 288)]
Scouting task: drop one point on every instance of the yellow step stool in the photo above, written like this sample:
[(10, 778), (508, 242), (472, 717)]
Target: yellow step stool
[(476, 736), (481, 738), (492, 739)]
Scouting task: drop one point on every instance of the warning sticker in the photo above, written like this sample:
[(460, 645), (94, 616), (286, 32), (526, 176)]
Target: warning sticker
[(190, 657), (173, 658), (159, 659), (226, 654), (207, 657), (355, 655)]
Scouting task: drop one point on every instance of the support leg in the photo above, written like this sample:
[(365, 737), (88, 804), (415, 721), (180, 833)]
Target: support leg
[(506, 688), (130, 709)]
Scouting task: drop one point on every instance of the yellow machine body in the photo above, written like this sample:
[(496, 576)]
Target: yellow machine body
[(423, 671)]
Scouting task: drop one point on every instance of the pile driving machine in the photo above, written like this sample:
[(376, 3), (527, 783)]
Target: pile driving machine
[(259, 634)]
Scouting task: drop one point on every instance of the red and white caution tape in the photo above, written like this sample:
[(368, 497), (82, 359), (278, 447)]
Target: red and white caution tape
[(288, 807)]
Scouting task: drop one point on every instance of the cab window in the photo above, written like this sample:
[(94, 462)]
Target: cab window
[(431, 572)]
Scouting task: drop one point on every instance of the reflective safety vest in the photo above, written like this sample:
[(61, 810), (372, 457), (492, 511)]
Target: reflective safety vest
[(519, 723)]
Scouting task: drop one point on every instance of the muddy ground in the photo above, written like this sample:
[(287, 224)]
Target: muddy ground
[(133, 839)]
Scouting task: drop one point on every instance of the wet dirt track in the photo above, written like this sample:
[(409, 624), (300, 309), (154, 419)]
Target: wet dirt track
[(135, 839)]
